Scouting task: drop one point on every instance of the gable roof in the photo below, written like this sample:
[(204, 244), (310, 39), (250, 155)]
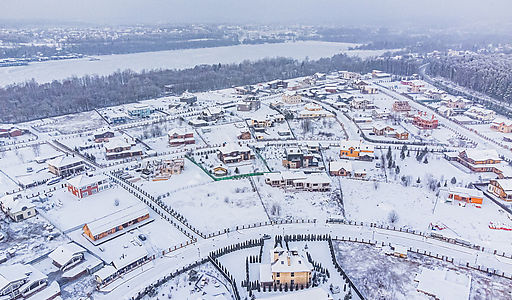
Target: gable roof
[(64, 253)]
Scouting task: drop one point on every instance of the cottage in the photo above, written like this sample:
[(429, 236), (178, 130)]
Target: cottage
[(458, 103), (356, 149), (284, 179), (287, 267), (502, 188), (188, 98), (249, 104), (340, 168), (9, 130), (172, 166), (103, 135), (140, 110), (121, 147), (478, 160), (211, 114), (382, 130), (85, 185), (181, 136), (349, 75), (296, 158), (423, 122), (361, 103), (244, 135), (480, 114), (465, 195), (21, 281), (65, 165), (67, 256), (115, 222), (376, 74), (17, 207), (290, 97), (117, 118), (401, 106), (318, 182), (232, 153), (504, 126)]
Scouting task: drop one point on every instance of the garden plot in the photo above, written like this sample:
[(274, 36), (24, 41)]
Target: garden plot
[(66, 211), (317, 129), (203, 282), (284, 204), (440, 135), (379, 276), (388, 136), (71, 123), (20, 164), (418, 206), (485, 130), (218, 205), (191, 176), (235, 264), (27, 240), (217, 135)]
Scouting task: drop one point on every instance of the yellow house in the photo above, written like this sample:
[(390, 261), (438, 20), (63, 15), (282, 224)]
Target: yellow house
[(287, 267)]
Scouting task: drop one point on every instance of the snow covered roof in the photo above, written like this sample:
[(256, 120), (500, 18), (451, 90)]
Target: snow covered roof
[(117, 218), (64, 253), (15, 204), (358, 145), (466, 192), (290, 261), (230, 148), (340, 164), (64, 160), (444, 284), (481, 155), (317, 179), (179, 131), (117, 142), (81, 181), (506, 184), (16, 272)]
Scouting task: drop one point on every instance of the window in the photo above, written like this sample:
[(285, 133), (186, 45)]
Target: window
[(292, 274), (282, 262), (278, 274)]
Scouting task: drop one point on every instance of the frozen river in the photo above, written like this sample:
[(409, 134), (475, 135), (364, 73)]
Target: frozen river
[(173, 59)]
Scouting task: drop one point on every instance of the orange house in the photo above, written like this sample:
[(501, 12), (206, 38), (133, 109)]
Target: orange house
[(357, 150), (466, 195), (115, 222)]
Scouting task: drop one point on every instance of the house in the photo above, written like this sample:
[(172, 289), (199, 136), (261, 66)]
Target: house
[(287, 267), (504, 126), (381, 113), (423, 122), (401, 106), (181, 136), (67, 256), (458, 103), (140, 110), (278, 83), (356, 149), (211, 114), (349, 75), (290, 97), (232, 153), (382, 130), (434, 94), (480, 114), (188, 98), (478, 160), (465, 195), (502, 188), (65, 165), (249, 104), (361, 103), (446, 111), (103, 135), (115, 222), (443, 283), (121, 259), (296, 158), (376, 74), (85, 185), (244, 135), (21, 281), (413, 86), (368, 89), (340, 168), (9, 130), (284, 179), (318, 182), (117, 118), (121, 147), (17, 207), (172, 166)]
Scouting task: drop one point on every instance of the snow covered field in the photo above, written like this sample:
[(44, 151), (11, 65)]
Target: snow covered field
[(174, 59)]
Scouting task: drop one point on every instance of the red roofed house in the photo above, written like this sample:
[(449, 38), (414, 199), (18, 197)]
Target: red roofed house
[(422, 121)]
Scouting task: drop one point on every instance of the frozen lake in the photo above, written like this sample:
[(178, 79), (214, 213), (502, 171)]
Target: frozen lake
[(174, 59)]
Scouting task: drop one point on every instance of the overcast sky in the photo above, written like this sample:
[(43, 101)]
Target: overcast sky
[(334, 12)]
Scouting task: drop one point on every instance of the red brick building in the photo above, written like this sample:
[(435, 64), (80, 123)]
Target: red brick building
[(421, 120)]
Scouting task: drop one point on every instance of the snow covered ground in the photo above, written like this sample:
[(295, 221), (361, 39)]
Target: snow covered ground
[(174, 59)]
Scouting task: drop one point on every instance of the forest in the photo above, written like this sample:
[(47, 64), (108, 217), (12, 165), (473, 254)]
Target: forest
[(30, 100), (486, 73)]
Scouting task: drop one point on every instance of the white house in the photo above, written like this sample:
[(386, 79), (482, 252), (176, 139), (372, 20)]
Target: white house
[(20, 280), (17, 207), (67, 256)]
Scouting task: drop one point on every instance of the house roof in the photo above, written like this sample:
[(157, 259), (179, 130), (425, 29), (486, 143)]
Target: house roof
[(229, 148), (290, 261), (16, 272), (358, 145), (115, 219), (480, 155), (85, 180), (64, 253), (15, 205), (117, 142), (506, 184), (467, 192), (340, 164), (63, 160), (179, 131)]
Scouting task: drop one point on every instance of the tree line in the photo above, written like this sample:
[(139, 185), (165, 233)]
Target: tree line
[(31, 100)]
